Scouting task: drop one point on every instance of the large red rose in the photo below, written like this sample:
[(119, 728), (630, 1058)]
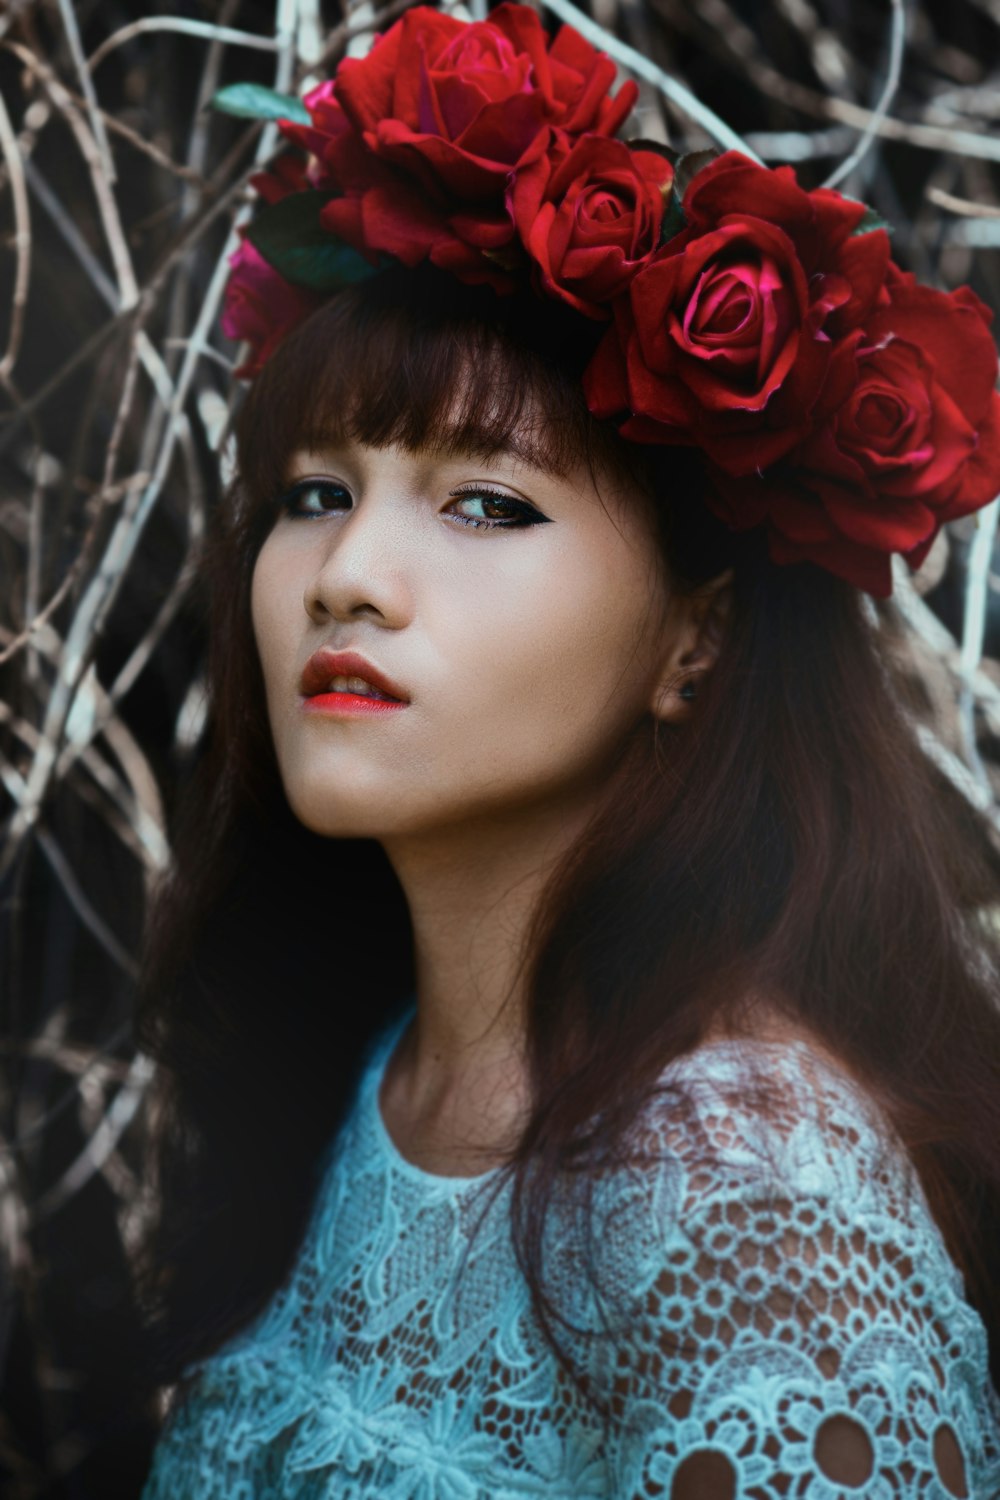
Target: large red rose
[(260, 306), (726, 338), (915, 443), (460, 104), (589, 215)]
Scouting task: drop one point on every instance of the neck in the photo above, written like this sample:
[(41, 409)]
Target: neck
[(472, 894)]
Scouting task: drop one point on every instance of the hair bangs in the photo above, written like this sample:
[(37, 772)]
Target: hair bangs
[(411, 358)]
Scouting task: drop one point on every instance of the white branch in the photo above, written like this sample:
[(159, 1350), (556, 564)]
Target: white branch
[(68, 16), (896, 45), (103, 1141), (22, 241), (678, 94), (204, 29)]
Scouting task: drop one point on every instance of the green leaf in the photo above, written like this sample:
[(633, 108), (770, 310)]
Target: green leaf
[(673, 216), (871, 220), (688, 167), (253, 101), (291, 238)]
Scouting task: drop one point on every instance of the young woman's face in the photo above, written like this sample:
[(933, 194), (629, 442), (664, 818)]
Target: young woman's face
[(524, 621)]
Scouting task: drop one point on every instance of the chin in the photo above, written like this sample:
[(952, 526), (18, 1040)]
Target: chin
[(336, 816), (341, 796), (338, 809)]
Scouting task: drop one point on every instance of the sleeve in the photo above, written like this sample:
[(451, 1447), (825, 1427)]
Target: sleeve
[(804, 1337)]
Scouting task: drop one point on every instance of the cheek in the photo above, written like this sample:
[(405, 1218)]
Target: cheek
[(272, 599), (559, 663)]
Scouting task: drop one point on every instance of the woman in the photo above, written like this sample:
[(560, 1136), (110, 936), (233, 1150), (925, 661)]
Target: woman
[(578, 1035)]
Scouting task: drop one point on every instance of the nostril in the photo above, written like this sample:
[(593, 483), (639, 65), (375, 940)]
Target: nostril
[(314, 606)]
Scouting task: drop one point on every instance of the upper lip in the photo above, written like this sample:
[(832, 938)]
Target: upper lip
[(324, 664)]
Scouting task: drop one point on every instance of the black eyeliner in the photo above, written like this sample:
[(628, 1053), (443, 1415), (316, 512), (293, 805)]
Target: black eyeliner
[(522, 507)]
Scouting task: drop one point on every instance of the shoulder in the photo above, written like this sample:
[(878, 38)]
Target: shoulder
[(785, 1288), (768, 1153), (778, 1110)]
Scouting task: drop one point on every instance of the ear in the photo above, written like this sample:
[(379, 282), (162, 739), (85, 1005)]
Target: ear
[(693, 636)]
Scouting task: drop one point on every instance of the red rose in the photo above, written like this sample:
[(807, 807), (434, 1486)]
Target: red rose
[(915, 443), (590, 217), (420, 136), (460, 104), (260, 306), (726, 337)]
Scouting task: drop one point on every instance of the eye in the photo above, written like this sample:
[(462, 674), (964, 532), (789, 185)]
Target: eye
[(313, 497), (496, 510)]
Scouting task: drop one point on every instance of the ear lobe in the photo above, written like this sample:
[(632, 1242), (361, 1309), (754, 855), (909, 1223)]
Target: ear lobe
[(696, 633)]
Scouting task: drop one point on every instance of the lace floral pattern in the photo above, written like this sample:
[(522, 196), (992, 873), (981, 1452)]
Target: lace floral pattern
[(787, 1324)]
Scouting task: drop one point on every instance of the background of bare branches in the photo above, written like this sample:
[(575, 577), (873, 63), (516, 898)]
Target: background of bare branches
[(119, 192)]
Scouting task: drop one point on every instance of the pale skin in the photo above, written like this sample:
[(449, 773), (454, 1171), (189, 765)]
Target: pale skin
[(531, 656)]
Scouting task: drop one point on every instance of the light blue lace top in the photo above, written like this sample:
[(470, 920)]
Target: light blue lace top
[(780, 1290)]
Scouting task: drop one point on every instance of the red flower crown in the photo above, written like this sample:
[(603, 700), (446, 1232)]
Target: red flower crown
[(837, 402)]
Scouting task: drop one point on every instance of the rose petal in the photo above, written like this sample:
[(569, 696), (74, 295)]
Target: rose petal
[(605, 384), (861, 566), (981, 476), (887, 523), (953, 334), (862, 263)]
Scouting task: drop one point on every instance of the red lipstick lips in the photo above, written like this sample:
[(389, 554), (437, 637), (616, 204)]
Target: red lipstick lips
[(324, 665)]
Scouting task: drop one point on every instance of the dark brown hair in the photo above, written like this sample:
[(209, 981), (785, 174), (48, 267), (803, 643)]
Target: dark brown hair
[(788, 838)]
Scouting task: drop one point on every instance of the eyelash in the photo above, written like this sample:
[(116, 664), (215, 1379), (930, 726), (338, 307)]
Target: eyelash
[(524, 514), (286, 502)]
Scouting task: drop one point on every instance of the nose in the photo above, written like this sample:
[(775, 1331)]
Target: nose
[(363, 565)]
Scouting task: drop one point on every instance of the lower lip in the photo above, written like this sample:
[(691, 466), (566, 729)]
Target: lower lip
[(349, 704)]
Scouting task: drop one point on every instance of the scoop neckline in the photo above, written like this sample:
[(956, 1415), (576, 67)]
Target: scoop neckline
[(440, 1181)]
